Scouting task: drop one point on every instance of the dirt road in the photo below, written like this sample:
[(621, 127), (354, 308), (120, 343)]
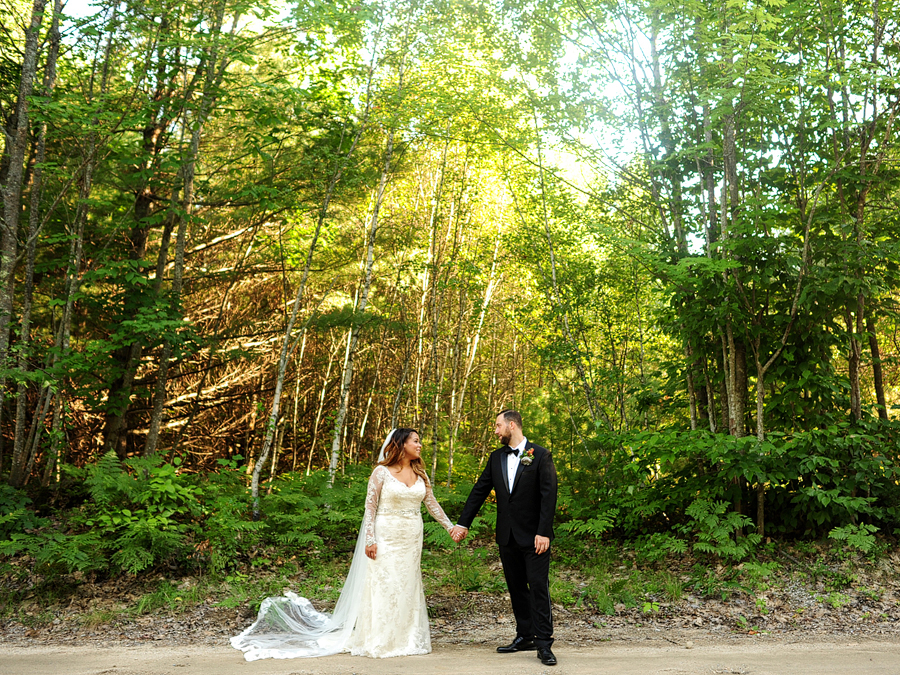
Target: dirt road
[(756, 657)]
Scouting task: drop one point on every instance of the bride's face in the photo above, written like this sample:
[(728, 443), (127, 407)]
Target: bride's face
[(413, 447)]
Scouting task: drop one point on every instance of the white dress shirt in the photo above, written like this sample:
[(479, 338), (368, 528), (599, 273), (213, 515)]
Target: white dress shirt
[(512, 465), (512, 462)]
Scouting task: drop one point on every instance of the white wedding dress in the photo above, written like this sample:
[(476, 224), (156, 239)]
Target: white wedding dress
[(381, 611)]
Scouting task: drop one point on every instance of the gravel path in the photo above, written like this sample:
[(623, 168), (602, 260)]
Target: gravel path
[(760, 656)]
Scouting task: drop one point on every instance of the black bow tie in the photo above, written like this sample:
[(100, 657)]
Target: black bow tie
[(511, 451)]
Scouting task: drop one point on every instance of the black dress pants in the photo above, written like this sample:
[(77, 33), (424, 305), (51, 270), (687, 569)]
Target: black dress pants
[(528, 580)]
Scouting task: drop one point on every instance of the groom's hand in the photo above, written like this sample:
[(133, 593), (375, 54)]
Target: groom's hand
[(541, 544), (458, 533)]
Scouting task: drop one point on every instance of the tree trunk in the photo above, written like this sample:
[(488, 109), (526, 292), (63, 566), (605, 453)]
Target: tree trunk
[(737, 389), (159, 392), (294, 443), (159, 115), (361, 308), (20, 451), (710, 398), (429, 284), (488, 294), (325, 380), (73, 284), (15, 151), (395, 409), (854, 358), (287, 348), (32, 444), (289, 343), (760, 436), (436, 377), (689, 378), (877, 373), (215, 67)]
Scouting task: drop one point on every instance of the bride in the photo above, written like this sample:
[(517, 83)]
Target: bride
[(381, 611)]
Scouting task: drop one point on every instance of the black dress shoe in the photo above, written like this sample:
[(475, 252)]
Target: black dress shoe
[(546, 656), (520, 644)]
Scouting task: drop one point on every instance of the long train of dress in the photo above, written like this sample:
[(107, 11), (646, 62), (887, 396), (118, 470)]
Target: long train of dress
[(381, 611)]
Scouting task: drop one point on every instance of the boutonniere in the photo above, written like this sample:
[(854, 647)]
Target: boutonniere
[(528, 456)]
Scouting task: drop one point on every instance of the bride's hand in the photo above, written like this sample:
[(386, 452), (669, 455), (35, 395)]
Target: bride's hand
[(371, 551)]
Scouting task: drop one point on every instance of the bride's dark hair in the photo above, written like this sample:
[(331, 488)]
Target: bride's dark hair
[(394, 451)]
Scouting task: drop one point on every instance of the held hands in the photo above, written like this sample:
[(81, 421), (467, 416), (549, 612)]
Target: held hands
[(371, 551), (541, 544), (458, 533)]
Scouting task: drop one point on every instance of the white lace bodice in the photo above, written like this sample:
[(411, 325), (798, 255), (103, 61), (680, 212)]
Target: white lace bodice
[(388, 495)]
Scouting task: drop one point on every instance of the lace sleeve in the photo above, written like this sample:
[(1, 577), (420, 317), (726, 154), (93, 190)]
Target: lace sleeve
[(435, 509), (373, 494)]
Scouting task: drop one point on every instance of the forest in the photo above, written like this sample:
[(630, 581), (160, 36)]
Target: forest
[(243, 240)]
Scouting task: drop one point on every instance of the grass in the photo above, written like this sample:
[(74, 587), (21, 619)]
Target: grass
[(564, 591), (837, 600), (460, 570), (98, 618), (36, 619), (169, 596)]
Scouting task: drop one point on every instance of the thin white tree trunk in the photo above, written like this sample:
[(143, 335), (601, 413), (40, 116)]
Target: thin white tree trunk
[(321, 409), (488, 294), (361, 308), (296, 403), (21, 449), (428, 283), (16, 146), (73, 284), (287, 348)]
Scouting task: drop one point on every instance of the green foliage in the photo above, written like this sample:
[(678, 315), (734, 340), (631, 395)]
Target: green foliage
[(594, 527), (656, 546), (141, 510), (859, 537), (139, 515), (667, 492), (225, 533), (676, 483), (837, 600), (563, 591), (15, 514), (756, 575), (716, 529), (145, 512), (466, 569), (57, 552)]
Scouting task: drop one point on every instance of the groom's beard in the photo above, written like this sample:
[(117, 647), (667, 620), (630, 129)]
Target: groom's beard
[(505, 439)]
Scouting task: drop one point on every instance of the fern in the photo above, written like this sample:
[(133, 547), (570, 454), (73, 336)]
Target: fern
[(106, 480), (55, 552), (145, 543), (594, 527), (299, 539), (859, 537), (15, 516), (435, 534), (656, 546), (715, 527)]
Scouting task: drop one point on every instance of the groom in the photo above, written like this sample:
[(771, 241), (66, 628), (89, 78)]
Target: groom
[(523, 479)]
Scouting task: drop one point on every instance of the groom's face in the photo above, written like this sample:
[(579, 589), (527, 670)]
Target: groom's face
[(503, 429)]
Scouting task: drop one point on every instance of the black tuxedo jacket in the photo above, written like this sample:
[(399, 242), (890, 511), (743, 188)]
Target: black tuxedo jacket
[(525, 511)]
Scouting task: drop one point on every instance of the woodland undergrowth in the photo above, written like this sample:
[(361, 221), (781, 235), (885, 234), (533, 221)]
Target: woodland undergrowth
[(645, 520)]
